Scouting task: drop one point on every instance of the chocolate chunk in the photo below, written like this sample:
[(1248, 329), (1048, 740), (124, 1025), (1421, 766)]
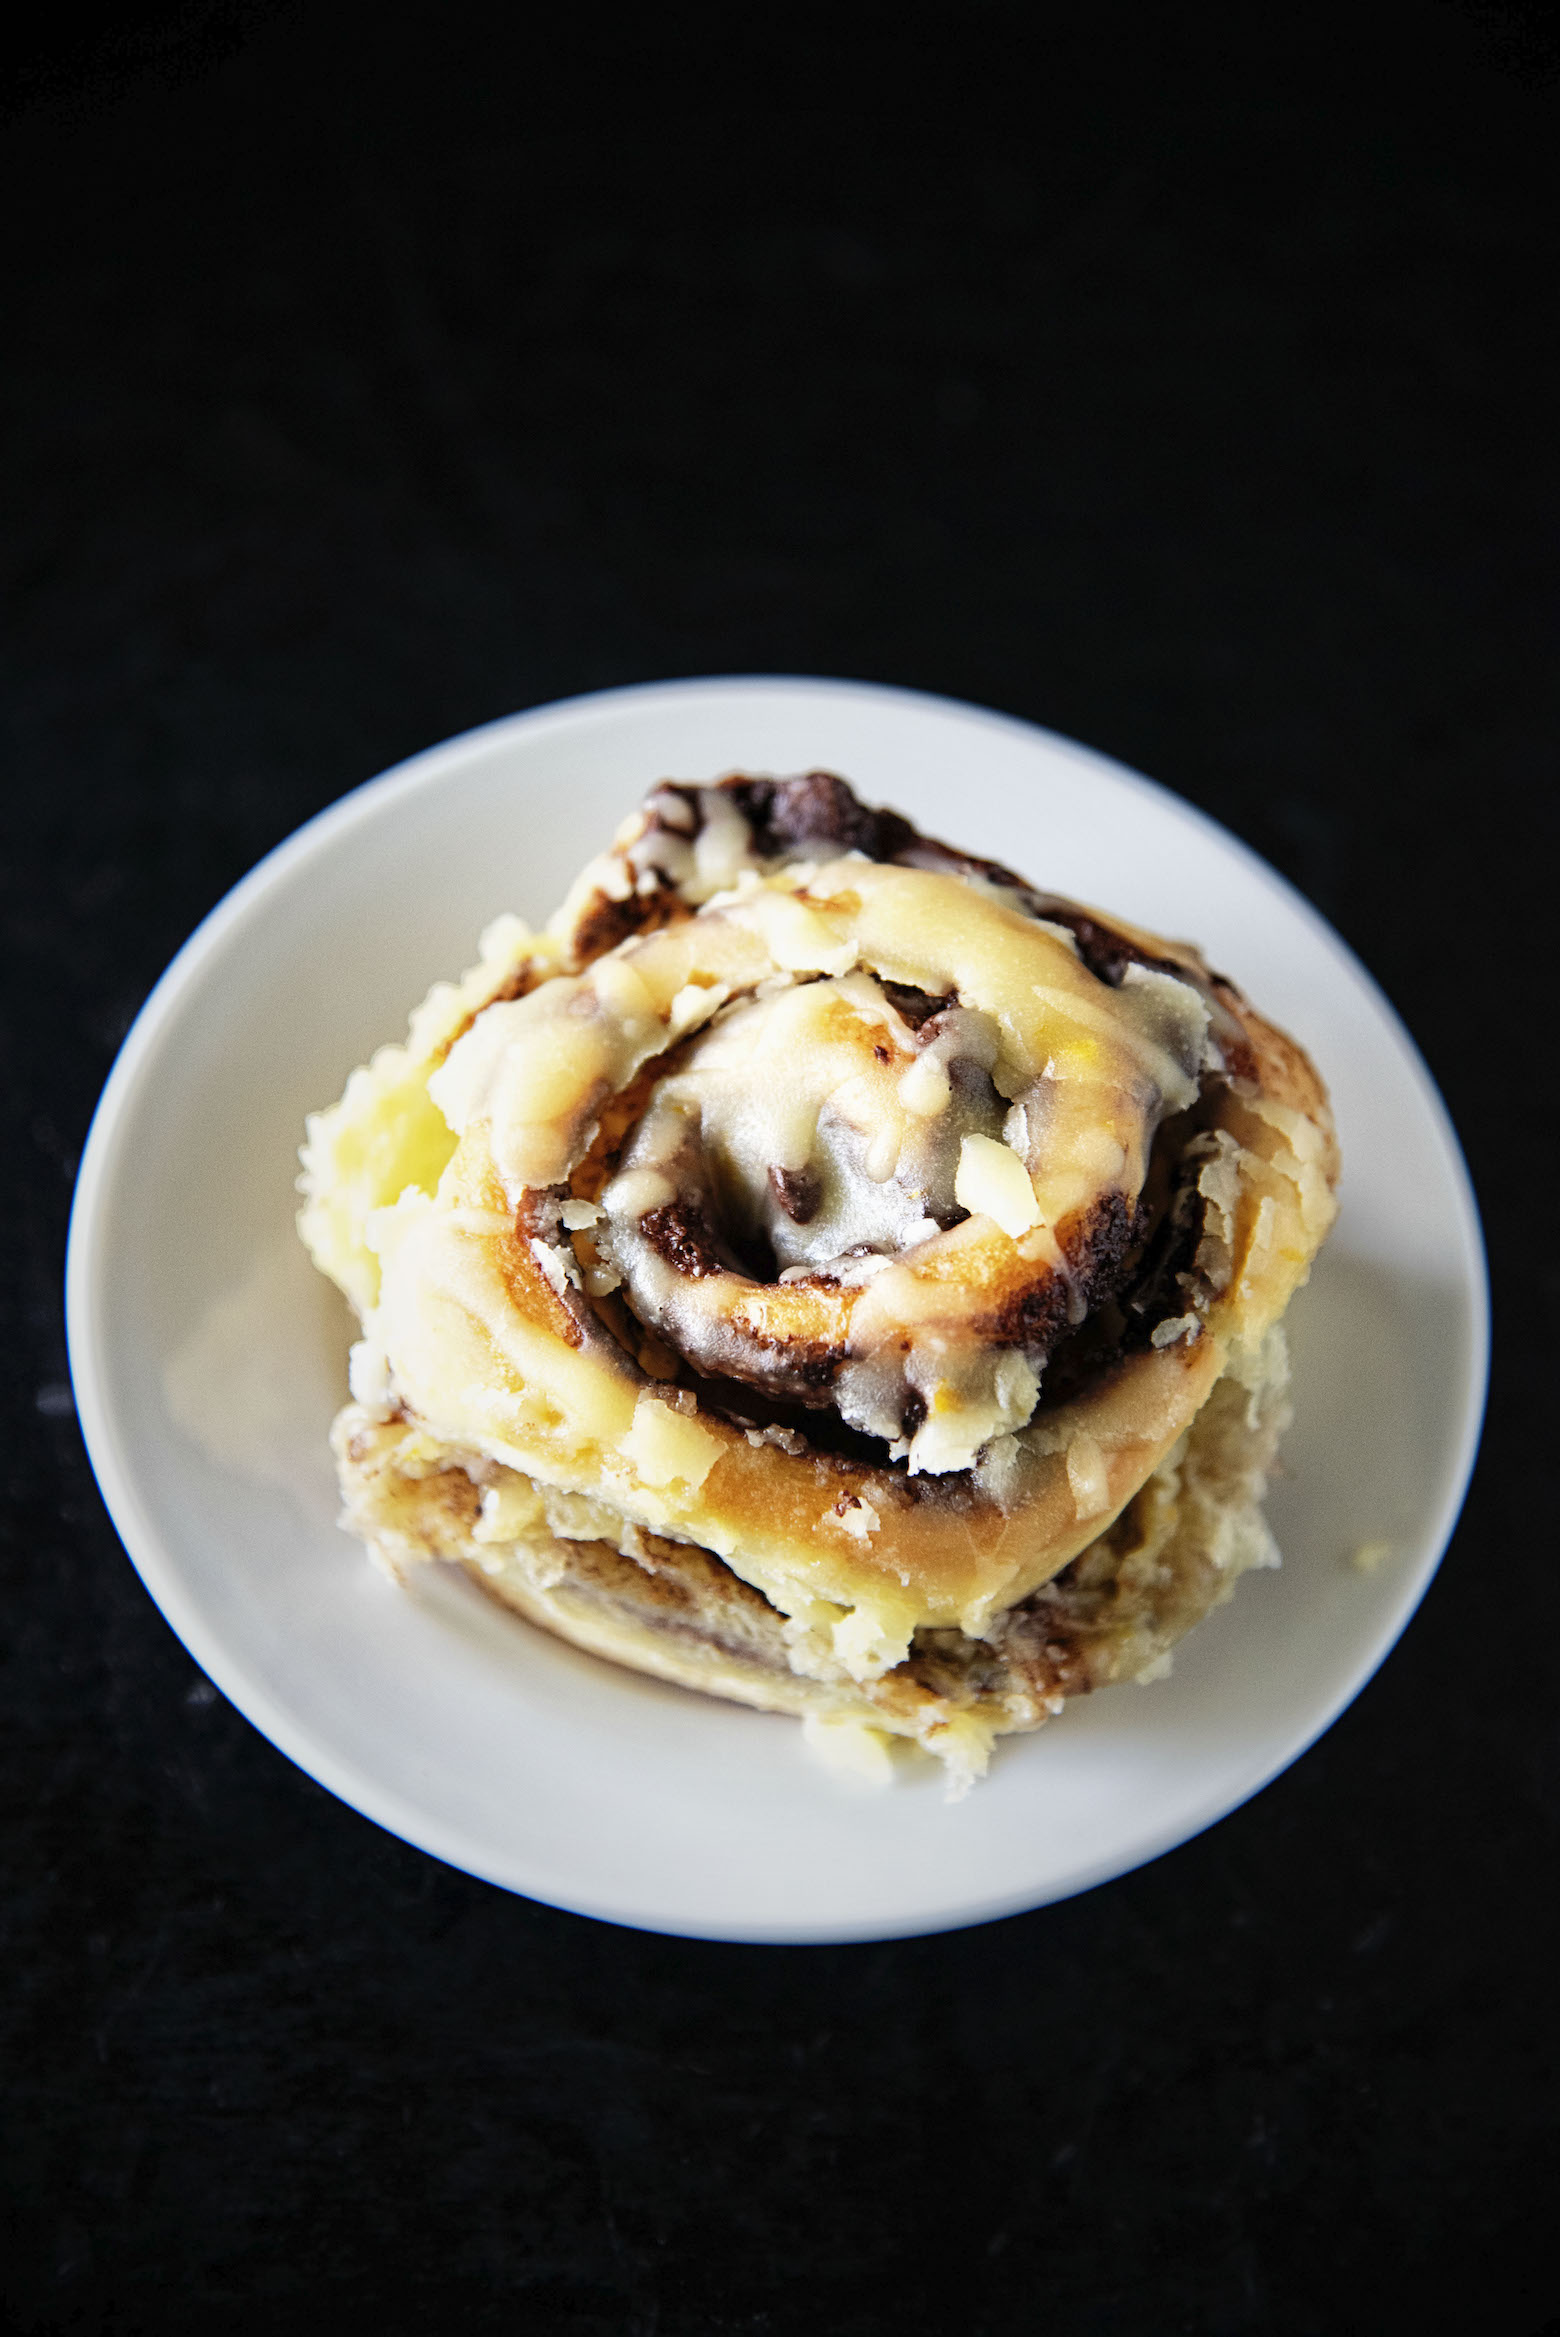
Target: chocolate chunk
[(680, 1233), (817, 808), (915, 1007), (798, 1191), (1105, 952)]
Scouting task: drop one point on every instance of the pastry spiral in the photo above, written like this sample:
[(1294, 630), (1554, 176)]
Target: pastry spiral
[(824, 1270)]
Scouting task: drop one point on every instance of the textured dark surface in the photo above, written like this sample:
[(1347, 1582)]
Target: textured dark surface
[(1186, 383)]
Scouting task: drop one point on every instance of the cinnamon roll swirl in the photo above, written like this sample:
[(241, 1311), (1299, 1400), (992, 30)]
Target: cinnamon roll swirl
[(823, 1270)]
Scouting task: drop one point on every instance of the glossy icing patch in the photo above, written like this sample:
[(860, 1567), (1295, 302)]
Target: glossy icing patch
[(826, 1198)]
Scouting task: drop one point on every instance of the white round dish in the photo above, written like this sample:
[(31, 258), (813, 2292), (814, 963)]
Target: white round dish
[(208, 1356)]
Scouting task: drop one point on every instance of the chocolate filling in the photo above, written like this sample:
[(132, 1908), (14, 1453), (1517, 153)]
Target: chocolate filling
[(606, 922), (681, 1233), (915, 1008), (788, 819), (786, 815), (1130, 1270), (1131, 1266)]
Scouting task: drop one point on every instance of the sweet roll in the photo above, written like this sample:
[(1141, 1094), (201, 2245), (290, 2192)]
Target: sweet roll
[(826, 1271)]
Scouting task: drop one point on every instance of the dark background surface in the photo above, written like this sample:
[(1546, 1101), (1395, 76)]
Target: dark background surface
[(1186, 382)]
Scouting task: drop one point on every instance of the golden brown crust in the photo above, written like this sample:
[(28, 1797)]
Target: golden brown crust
[(675, 1612)]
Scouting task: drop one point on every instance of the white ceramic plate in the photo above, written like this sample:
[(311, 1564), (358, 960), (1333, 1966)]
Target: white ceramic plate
[(208, 1356)]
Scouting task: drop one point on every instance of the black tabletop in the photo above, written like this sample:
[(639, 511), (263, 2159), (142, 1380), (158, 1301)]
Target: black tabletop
[(1185, 381)]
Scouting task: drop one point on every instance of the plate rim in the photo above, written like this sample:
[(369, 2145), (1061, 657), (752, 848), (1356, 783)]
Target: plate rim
[(294, 1738)]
